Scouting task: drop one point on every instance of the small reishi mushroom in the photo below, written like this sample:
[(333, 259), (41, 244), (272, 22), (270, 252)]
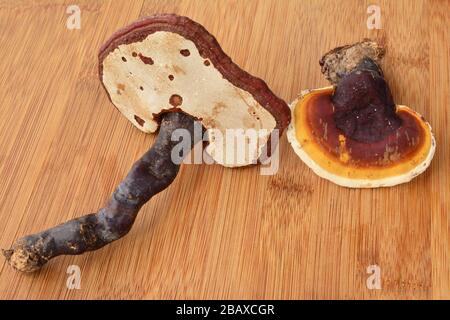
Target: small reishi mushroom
[(352, 133), (154, 73)]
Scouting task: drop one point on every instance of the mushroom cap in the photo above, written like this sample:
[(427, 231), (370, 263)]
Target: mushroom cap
[(397, 158), (166, 63)]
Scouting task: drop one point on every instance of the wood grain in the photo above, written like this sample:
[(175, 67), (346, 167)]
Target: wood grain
[(217, 232)]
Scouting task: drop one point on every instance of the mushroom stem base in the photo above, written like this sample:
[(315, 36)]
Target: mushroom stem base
[(151, 174)]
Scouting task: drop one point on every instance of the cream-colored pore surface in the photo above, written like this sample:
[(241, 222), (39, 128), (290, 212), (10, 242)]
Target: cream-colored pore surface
[(164, 70)]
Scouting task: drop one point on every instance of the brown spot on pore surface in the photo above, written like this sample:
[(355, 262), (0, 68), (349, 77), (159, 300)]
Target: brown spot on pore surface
[(185, 52), (206, 63), (124, 59), (146, 60), (171, 77), (134, 54), (139, 120), (120, 88), (142, 88), (218, 107), (175, 100)]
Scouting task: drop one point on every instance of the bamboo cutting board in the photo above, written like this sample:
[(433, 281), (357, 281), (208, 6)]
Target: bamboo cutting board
[(217, 232)]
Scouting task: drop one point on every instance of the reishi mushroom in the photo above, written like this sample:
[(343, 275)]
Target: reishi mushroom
[(166, 72), (352, 133), (188, 72)]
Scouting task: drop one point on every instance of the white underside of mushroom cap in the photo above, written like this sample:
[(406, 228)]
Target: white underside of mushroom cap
[(354, 183), (142, 90)]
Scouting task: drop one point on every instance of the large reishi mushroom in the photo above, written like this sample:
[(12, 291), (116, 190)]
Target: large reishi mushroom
[(169, 62), (166, 72), (352, 133)]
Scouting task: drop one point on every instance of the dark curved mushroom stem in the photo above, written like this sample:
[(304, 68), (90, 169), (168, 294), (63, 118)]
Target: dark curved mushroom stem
[(363, 105), (151, 174)]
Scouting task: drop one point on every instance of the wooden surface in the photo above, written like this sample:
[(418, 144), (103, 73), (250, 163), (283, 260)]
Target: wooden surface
[(216, 232)]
